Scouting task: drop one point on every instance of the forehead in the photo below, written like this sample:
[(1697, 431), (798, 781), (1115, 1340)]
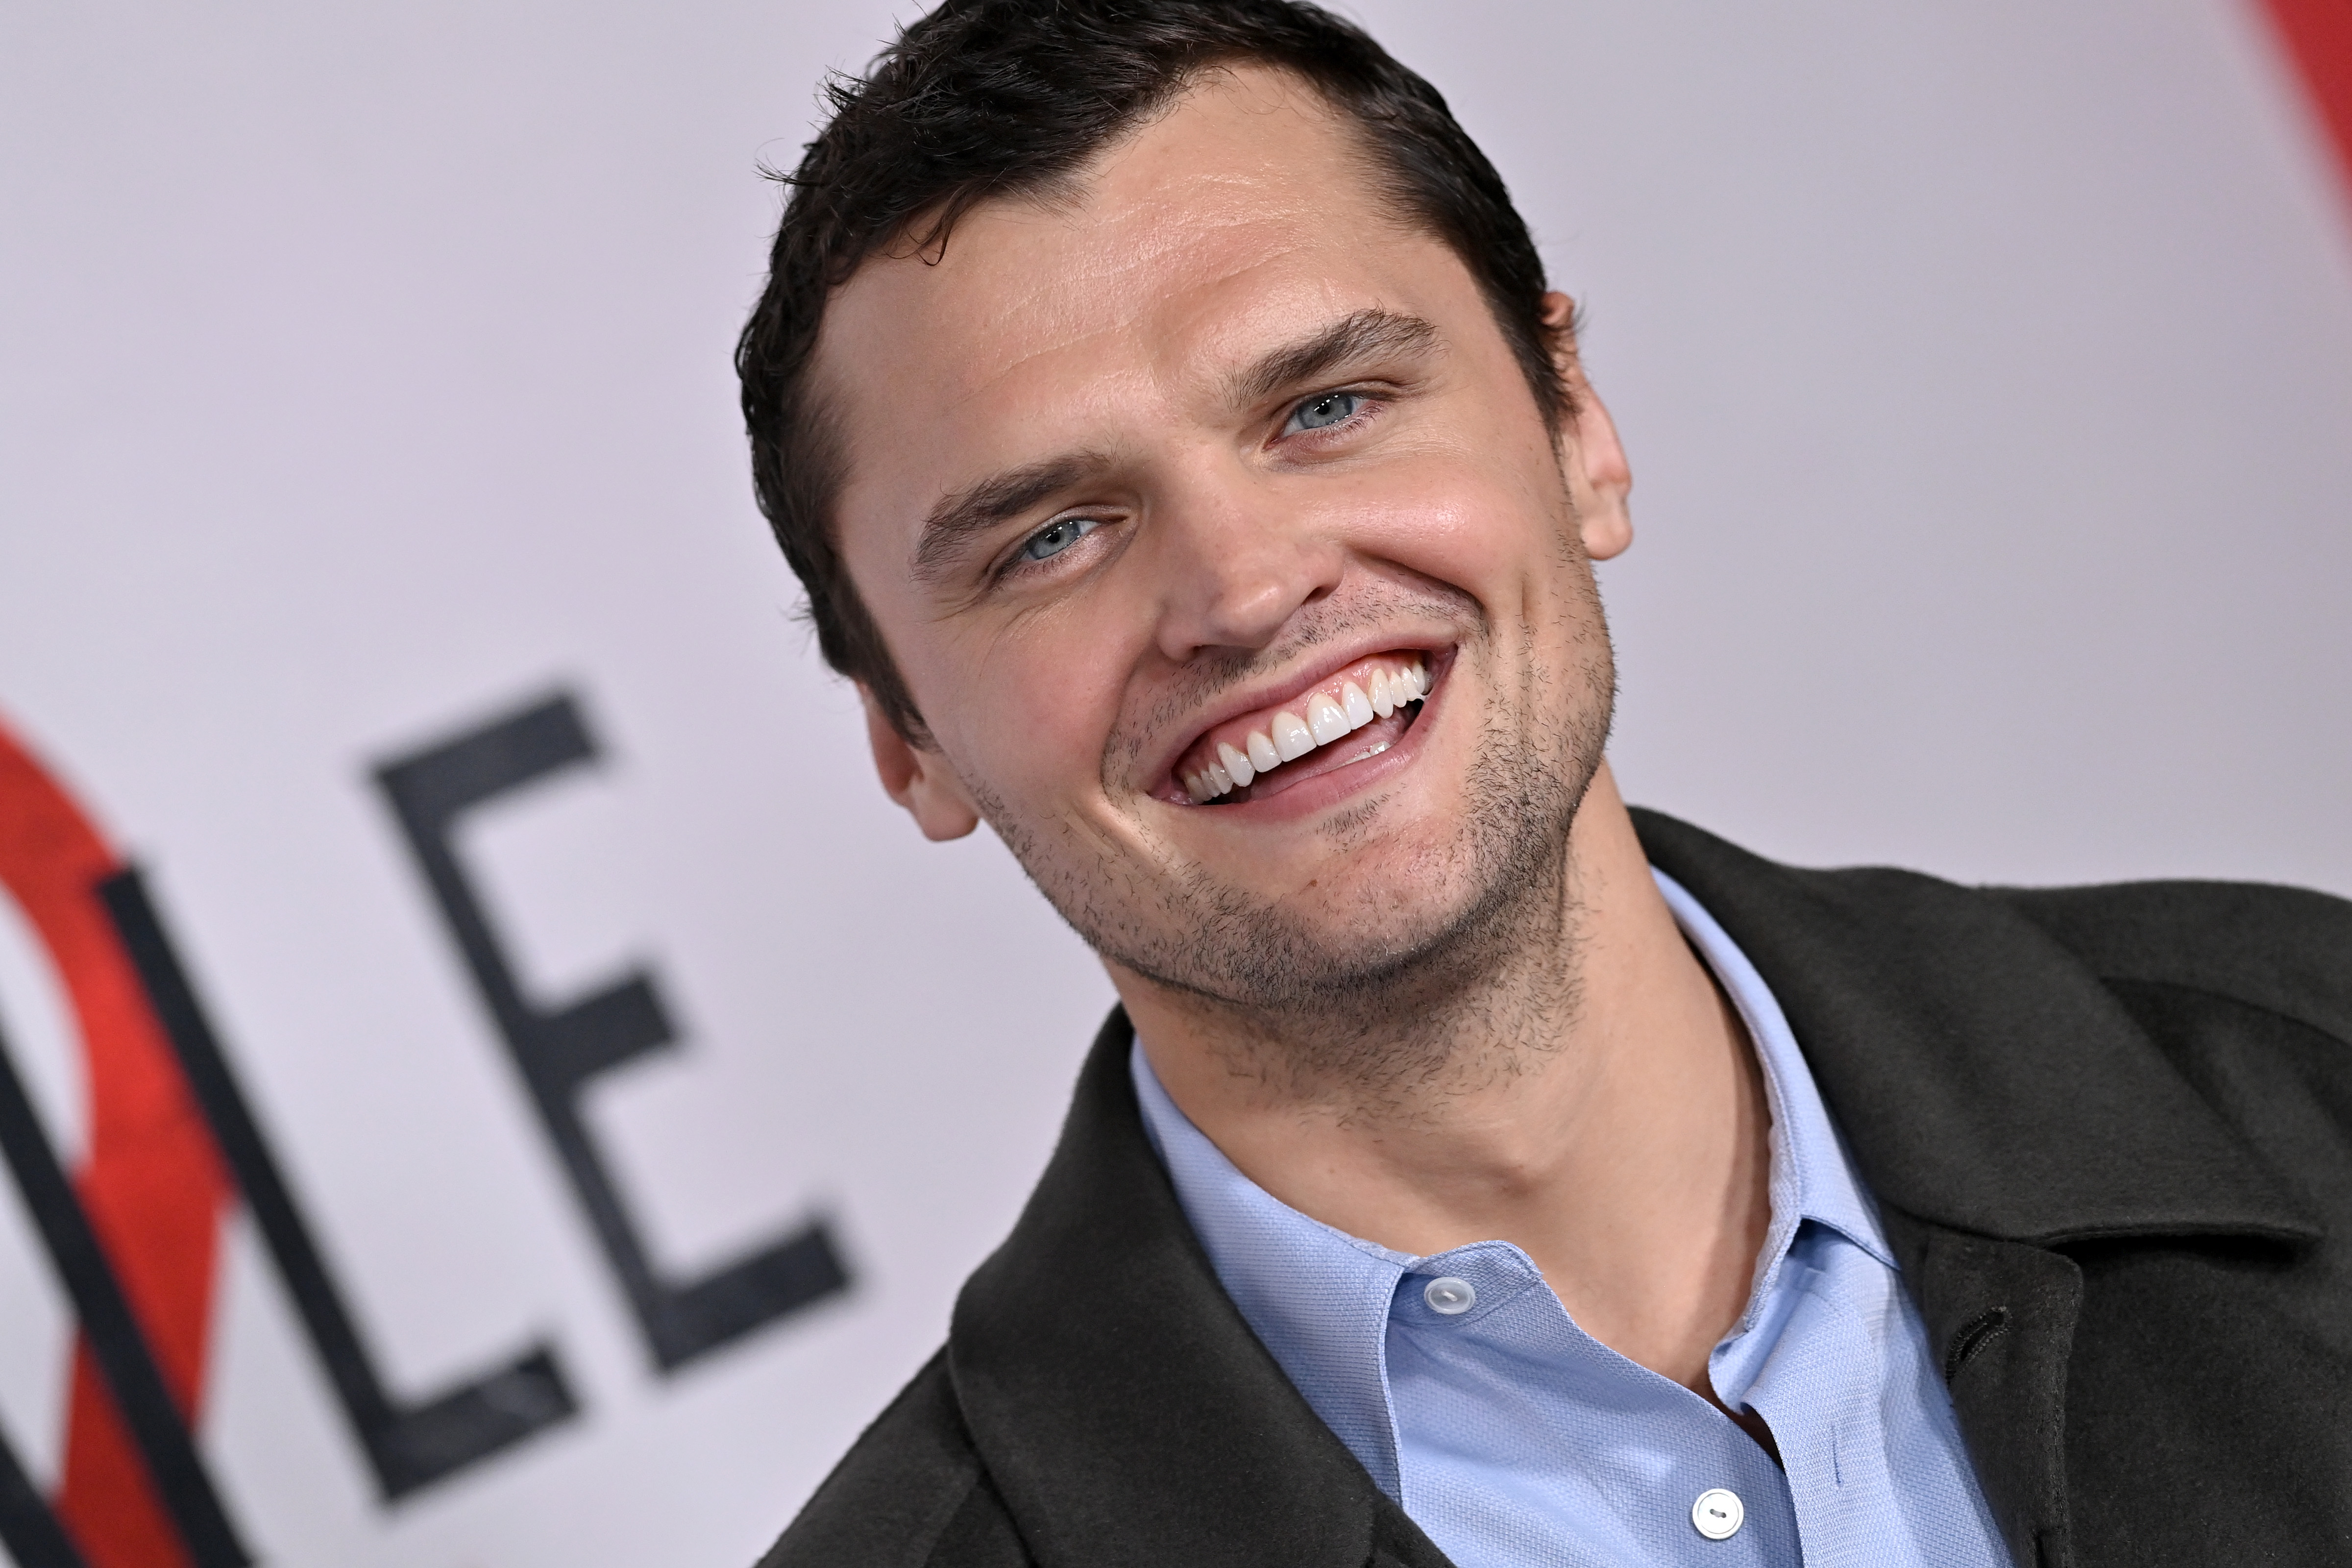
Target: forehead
[(1244, 212)]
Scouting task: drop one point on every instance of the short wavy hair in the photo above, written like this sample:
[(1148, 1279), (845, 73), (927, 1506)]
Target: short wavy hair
[(992, 99)]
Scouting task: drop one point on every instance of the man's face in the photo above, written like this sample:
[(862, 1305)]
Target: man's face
[(1213, 465)]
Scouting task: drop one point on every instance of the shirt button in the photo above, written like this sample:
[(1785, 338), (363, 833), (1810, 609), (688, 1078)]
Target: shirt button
[(1449, 1296), (1717, 1513)]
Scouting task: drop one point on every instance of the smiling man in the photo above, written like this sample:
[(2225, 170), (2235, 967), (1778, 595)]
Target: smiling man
[(1166, 413)]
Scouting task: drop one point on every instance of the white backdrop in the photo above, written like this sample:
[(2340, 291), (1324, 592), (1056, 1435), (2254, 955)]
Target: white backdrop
[(363, 373)]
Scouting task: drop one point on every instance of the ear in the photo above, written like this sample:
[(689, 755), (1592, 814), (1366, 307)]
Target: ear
[(1599, 476), (917, 778)]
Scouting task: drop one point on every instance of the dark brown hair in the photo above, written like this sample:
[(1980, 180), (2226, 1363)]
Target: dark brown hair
[(983, 99)]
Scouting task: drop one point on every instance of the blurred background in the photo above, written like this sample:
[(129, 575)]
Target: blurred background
[(379, 578)]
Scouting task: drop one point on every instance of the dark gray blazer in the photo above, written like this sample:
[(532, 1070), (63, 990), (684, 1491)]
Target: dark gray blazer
[(2110, 1132)]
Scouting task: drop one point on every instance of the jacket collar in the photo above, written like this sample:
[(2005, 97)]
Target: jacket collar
[(1124, 1409), (1984, 1078)]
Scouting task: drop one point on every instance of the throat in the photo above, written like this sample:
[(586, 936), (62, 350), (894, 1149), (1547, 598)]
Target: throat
[(1558, 1070)]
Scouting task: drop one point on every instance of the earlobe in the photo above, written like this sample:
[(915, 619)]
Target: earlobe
[(918, 779), (1605, 521)]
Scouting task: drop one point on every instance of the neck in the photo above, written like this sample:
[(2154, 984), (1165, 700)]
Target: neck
[(1592, 1099)]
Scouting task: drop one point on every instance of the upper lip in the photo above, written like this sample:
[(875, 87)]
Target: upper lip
[(1270, 694)]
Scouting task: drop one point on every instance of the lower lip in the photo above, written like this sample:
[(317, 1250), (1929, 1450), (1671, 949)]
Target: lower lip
[(1325, 790)]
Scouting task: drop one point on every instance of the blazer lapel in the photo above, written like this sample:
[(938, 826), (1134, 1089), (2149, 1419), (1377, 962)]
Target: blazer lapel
[(1999, 1104), (1124, 1409), (2002, 1315)]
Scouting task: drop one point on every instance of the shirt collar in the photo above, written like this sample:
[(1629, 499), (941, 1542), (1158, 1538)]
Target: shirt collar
[(1317, 1297), (1813, 1179)]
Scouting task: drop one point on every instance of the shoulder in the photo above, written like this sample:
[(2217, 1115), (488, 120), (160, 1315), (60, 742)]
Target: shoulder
[(2286, 951), (912, 1493)]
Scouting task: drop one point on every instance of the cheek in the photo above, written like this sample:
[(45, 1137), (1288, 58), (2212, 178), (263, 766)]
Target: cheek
[(1013, 702), (1025, 709), (1461, 524)]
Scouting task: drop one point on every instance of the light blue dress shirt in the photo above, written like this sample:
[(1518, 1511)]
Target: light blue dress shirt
[(1514, 1439)]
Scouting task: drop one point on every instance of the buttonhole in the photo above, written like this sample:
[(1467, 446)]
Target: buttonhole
[(1975, 1334)]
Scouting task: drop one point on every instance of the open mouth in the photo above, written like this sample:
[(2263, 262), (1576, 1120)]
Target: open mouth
[(1354, 714)]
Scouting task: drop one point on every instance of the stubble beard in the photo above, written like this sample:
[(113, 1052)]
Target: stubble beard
[(1373, 1008)]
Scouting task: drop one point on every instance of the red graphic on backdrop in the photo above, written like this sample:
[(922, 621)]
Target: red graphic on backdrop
[(134, 1236), (150, 1177), (2318, 33)]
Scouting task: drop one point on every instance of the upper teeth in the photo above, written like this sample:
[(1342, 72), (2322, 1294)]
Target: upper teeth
[(1288, 737)]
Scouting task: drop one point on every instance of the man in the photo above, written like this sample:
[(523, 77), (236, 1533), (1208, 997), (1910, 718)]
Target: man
[(1166, 413)]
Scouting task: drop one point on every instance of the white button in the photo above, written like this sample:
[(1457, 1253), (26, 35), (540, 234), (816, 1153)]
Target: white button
[(1717, 1513), (1449, 1296)]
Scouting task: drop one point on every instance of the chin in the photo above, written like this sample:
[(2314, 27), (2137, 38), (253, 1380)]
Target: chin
[(1391, 918)]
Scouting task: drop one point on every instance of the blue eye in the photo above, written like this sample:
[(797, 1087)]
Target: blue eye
[(1057, 536), (1327, 409)]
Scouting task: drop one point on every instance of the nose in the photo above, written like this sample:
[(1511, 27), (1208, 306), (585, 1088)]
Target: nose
[(1238, 559)]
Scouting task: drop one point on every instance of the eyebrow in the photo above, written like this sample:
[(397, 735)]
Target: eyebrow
[(1361, 335), (1365, 334), (994, 500)]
